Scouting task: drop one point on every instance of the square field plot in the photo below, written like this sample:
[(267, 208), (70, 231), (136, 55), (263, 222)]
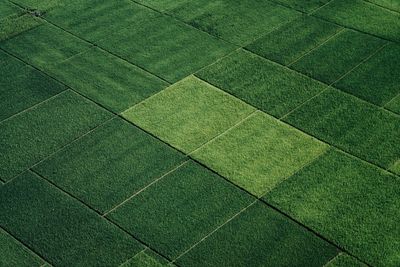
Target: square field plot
[(238, 22), (60, 228), (259, 153), (106, 79), (109, 164), (260, 236), (188, 113), (167, 47), (294, 39), (363, 16), (180, 209), (22, 86), (44, 46), (349, 202), (261, 83), (30, 136), (378, 79), (353, 125), (336, 57)]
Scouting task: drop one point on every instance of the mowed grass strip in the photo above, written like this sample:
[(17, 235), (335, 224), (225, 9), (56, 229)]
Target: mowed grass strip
[(22, 86), (146, 258), (60, 228), (377, 80), (110, 164), (345, 260), (336, 57), (167, 47), (260, 82), (13, 253), (180, 209), (260, 236), (44, 46), (294, 39), (363, 16), (32, 135), (259, 153), (351, 124), (106, 79), (239, 22), (350, 202), (188, 113), (303, 5)]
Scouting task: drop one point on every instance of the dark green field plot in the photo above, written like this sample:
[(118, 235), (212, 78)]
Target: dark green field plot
[(180, 209), (378, 79), (394, 104), (389, 4), (162, 5), (109, 164), (146, 258), (239, 22), (189, 113), (292, 40), (261, 83), (337, 56), (22, 86), (40, 5), (167, 47), (32, 135), (59, 228), (106, 79), (260, 236), (348, 201), (352, 125), (303, 5), (363, 16), (7, 9), (344, 260), (259, 153)]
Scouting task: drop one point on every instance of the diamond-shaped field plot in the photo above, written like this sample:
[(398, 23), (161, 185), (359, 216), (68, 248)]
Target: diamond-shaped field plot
[(13, 253), (44, 45), (110, 164), (345, 260), (378, 79), (147, 258), (261, 83), (351, 124), (188, 113), (349, 202), (180, 209), (61, 229), (294, 39), (167, 47), (260, 236), (106, 79), (337, 56), (22, 86), (30, 136), (259, 153), (239, 22)]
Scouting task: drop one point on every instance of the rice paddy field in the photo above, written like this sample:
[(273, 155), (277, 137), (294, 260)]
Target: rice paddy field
[(200, 133)]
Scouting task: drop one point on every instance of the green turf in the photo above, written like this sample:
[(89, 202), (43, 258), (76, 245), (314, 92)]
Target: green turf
[(13, 253), (363, 16), (110, 164), (146, 258), (188, 113), (44, 46), (344, 260), (390, 4), (180, 209), (394, 104), (261, 83), (303, 5), (31, 136), (106, 79), (260, 236), (60, 228), (292, 40), (8, 9), (352, 125), (348, 201), (378, 79), (40, 5), (167, 47), (16, 24), (338, 56), (162, 5), (239, 22), (22, 86), (260, 153)]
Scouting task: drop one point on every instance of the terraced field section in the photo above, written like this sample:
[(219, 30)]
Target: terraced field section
[(200, 133)]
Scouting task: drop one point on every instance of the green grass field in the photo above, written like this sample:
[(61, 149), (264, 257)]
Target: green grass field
[(181, 133)]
